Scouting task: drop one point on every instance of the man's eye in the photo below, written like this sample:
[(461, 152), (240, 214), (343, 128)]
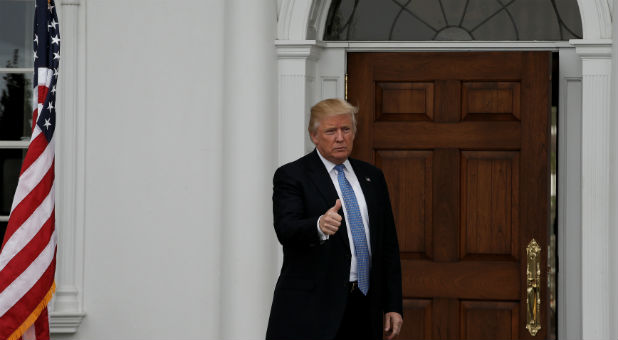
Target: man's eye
[(330, 132)]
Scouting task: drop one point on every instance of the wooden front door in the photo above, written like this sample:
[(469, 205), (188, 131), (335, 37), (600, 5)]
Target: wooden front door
[(463, 141)]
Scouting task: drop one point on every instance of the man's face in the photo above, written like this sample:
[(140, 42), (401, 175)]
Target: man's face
[(334, 137)]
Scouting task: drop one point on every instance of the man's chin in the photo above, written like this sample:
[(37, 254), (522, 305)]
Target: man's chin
[(341, 156)]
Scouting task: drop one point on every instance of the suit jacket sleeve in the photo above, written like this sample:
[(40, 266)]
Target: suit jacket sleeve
[(292, 225), (390, 261)]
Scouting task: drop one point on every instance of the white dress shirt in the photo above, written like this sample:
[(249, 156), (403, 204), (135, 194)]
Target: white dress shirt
[(362, 205)]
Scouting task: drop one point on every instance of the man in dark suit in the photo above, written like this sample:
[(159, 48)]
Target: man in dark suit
[(341, 274)]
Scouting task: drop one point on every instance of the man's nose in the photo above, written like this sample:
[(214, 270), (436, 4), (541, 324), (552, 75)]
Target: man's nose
[(339, 135)]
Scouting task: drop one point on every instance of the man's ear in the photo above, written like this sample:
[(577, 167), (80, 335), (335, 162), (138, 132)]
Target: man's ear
[(313, 136)]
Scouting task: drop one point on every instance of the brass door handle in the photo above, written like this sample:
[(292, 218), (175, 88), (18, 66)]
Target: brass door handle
[(533, 290)]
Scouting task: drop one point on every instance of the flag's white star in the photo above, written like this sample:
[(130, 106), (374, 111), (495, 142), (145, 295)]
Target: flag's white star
[(35, 56), (54, 23), (53, 90), (50, 7), (47, 124), (36, 39), (56, 55), (55, 40), (50, 106), (55, 72)]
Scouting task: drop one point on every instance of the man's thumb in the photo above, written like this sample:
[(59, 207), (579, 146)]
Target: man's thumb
[(337, 205), (387, 324)]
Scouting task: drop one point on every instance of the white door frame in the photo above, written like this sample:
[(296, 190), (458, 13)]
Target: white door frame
[(586, 312)]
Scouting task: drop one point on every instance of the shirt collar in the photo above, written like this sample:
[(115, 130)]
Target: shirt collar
[(330, 165)]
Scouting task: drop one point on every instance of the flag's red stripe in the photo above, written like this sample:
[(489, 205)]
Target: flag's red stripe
[(29, 204), (22, 260), (35, 149), (41, 325), (42, 93), (14, 317), (35, 115)]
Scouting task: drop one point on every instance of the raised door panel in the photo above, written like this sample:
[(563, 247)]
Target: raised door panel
[(409, 178), (489, 320), (417, 319), (490, 203), (404, 101), (490, 101)]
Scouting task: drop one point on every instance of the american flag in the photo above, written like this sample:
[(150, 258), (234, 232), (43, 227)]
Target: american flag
[(28, 255)]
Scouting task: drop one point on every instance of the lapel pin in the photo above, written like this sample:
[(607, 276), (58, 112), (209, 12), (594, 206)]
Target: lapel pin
[(368, 179)]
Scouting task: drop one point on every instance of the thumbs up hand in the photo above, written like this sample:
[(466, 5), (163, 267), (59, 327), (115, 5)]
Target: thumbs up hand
[(331, 220)]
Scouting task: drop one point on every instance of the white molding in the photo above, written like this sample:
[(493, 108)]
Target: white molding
[(593, 49), (596, 19), (419, 46), (293, 19), (321, 18), (569, 197), (302, 19), (16, 70), (67, 306), (306, 19), (63, 323), (297, 49), (317, 19), (14, 144)]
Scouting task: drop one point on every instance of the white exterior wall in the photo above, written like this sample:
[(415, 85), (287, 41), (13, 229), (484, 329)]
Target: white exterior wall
[(153, 139), (155, 97)]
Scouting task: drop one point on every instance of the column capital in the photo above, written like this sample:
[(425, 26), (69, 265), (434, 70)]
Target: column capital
[(593, 49), (302, 49)]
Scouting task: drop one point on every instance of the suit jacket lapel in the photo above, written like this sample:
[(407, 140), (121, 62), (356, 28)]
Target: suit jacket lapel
[(322, 180), (369, 191)]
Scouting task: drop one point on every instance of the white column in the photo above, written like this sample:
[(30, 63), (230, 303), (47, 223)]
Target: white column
[(596, 139), (66, 309), (296, 69), (248, 245)]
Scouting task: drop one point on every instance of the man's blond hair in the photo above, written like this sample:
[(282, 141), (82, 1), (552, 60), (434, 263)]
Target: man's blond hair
[(330, 107)]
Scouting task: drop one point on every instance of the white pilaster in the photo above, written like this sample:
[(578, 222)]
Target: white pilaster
[(249, 156), (596, 98), (613, 184), (569, 197), (67, 307), (296, 69)]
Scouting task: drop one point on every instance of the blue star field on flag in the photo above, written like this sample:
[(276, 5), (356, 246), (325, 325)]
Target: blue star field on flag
[(46, 55)]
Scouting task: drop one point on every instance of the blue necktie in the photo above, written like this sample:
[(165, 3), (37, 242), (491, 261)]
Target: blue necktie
[(357, 229)]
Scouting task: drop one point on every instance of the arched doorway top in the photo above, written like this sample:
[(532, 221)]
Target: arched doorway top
[(305, 19)]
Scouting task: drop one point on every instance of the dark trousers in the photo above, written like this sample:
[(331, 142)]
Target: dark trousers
[(356, 323)]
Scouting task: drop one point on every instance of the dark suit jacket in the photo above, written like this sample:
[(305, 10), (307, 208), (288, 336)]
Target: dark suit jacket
[(312, 290)]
